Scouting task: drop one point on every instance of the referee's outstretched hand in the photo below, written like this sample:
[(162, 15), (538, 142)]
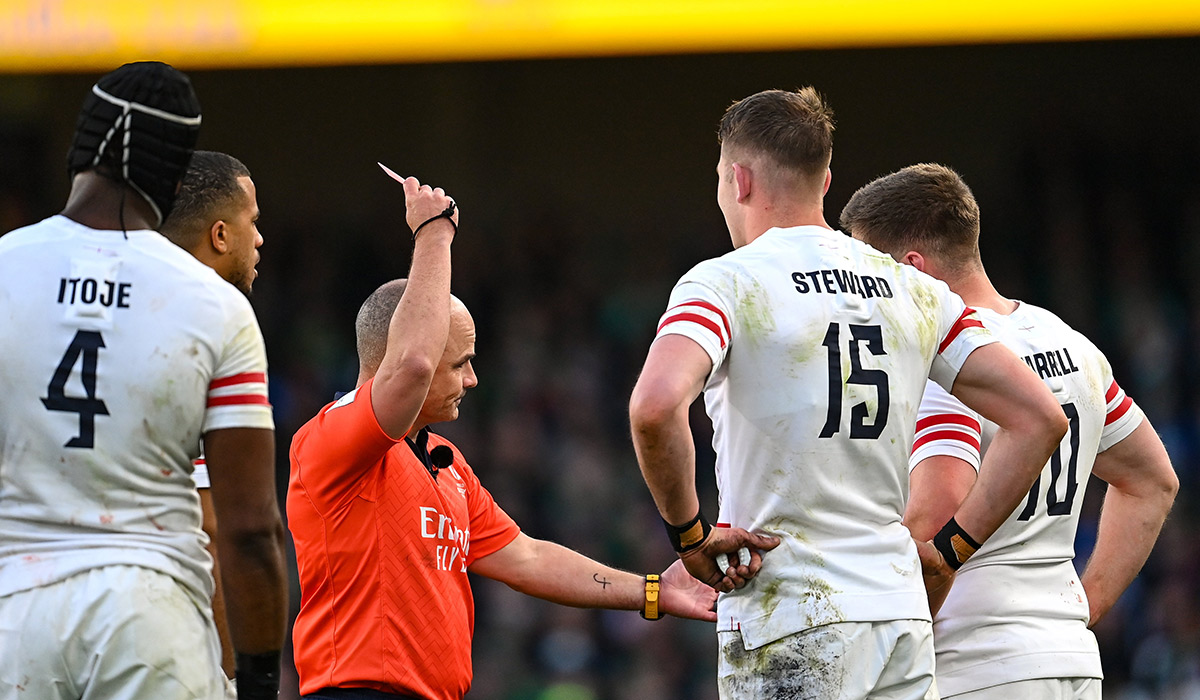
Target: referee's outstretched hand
[(683, 596), (701, 561)]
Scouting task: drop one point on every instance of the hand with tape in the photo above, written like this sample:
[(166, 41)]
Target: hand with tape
[(936, 572), (699, 545)]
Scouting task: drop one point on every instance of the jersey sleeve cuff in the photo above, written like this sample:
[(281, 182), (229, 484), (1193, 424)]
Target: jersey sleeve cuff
[(1121, 428), (944, 448), (948, 362)]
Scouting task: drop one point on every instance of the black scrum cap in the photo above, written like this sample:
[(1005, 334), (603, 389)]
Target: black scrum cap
[(138, 126)]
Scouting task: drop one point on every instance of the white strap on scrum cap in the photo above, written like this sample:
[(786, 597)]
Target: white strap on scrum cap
[(128, 106), (124, 120)]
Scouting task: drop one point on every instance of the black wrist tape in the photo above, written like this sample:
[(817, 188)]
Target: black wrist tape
[(258, 676), (690, 535), (955, 544)]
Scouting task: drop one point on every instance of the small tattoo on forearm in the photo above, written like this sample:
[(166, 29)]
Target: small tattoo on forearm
[(602, 581)]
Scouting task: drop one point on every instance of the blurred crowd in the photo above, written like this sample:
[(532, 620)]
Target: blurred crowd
[(1102, 231)]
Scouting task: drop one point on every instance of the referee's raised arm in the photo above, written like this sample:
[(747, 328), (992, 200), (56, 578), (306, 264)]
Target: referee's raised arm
[(419, 327)]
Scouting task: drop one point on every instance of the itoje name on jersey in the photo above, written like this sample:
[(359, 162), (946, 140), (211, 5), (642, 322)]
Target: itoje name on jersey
[(85, 290), (844, 281)]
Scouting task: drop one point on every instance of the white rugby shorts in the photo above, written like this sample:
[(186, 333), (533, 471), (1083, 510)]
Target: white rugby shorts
[(1038, 689), (843, 661), (112, 633)]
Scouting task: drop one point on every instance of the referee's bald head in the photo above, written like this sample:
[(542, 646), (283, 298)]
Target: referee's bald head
[(371, 324), (375, 318)]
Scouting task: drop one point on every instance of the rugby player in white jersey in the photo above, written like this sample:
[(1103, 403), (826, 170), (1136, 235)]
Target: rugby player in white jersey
[(121, 351), (1015, 622), (812, 351), (215, 218)]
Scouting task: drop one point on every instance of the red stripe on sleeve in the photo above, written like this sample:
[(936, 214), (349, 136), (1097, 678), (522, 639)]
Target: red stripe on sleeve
[(245, 378), (705, 305), (694, 318), (239, 400), (1112, 392), (1115, 414), (945, 418), (959, 326), (946, 435)]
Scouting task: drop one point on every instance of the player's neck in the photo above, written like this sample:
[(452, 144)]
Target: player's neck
[(107, 205), (767, 219), (978, 292)]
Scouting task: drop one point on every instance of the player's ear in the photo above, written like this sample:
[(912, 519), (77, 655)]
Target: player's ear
[(742, 178), (828, 181), (915, 259), (218, 235)]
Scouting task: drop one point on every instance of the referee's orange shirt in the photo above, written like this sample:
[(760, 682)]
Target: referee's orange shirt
[(383, 549)]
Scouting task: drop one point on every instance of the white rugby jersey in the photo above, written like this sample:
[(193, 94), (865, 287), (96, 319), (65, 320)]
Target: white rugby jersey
[(200, 473), (119, 351), (1017, 610), (821, 346)]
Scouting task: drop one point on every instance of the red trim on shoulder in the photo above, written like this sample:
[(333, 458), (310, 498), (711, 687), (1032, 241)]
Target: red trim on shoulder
[(721, 525), (959, 326), (946, 435), (244, 378), (198, 462), (946, 419), (705, 305), (697, 319), (239, 400), (1112, 392), (1117, 413)]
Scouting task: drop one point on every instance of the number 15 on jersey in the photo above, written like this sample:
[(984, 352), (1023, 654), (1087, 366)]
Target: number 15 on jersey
[(872, 336)]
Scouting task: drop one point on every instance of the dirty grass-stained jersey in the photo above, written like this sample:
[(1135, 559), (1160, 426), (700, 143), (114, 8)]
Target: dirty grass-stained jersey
[(821, 346), (1017, 610), (119, 351)]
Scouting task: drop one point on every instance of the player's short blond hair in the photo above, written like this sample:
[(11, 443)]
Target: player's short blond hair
[(792, 128), (926, 208)]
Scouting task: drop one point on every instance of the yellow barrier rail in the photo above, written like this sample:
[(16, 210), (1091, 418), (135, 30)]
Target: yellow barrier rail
[(68, 35)]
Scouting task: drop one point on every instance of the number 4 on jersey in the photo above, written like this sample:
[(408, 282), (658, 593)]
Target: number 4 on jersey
[(86, 344)]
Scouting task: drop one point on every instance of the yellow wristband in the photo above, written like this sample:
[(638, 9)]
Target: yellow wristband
[(650, 606)]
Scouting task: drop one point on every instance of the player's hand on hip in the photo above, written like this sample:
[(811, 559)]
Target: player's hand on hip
[(683, 596), (423, 204), (936, 573), (729, 557)]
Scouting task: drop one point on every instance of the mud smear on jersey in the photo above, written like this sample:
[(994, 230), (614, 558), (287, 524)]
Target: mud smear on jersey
[(812, 594), (754, 313), (804, 666)]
